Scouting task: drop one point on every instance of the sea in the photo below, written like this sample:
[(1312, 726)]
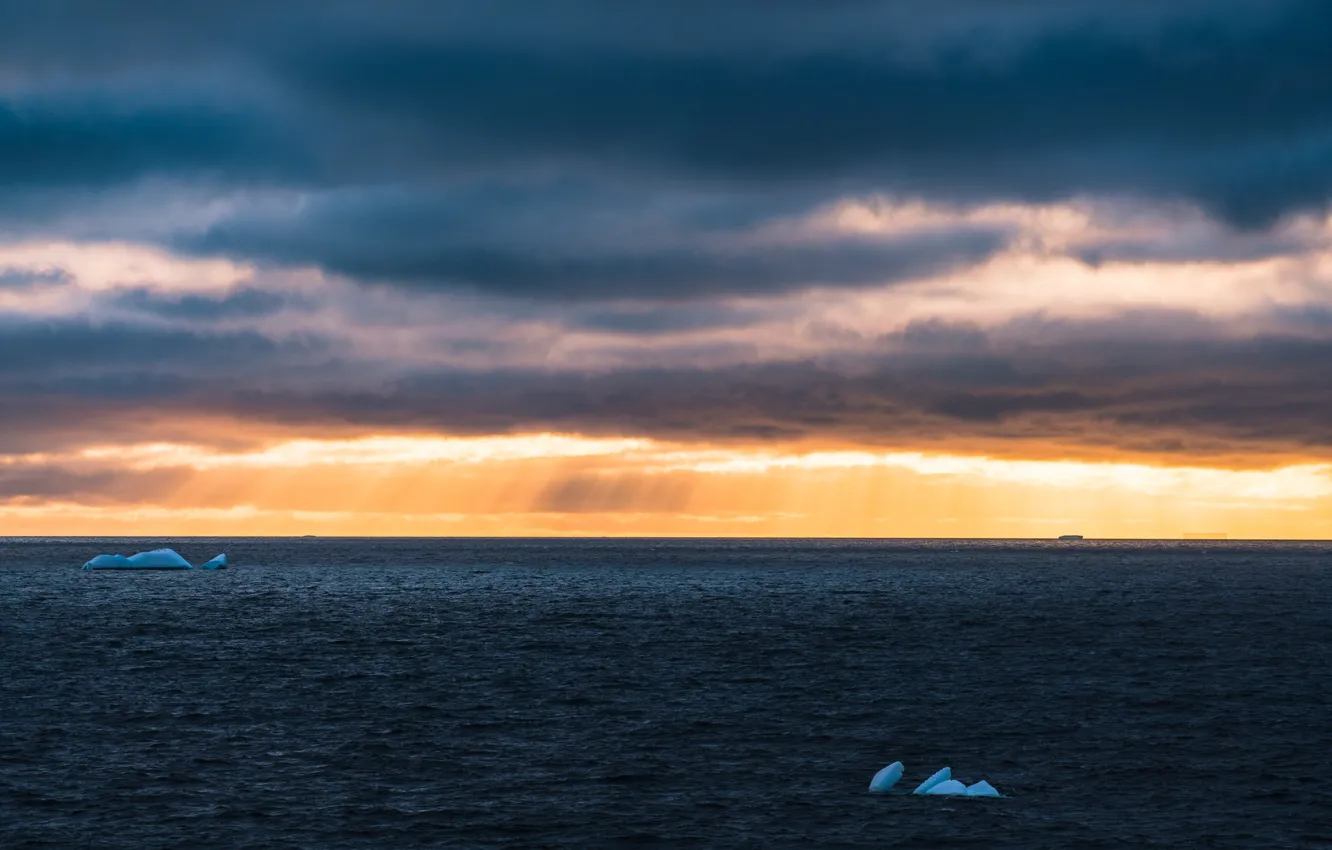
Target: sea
[(377, 693)]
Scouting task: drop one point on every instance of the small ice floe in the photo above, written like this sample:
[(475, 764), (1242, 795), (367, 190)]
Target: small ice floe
[(886, 778), (157, 559), (941, 784)]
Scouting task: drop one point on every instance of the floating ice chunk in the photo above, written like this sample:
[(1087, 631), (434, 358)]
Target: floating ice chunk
[(982, 789), (943, 775), (160, 559), (108, 562), (218, 563), (886, 778), (950, 787)]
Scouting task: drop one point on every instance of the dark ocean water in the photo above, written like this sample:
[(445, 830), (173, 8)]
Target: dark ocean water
[(481, 693)]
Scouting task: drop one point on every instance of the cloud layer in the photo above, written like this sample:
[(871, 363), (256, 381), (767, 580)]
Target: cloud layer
[(1034, 229), (1224, 105)]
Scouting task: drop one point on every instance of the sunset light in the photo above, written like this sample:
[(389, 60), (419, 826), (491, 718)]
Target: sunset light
[(728, 424), (727, 298), (566, 484)]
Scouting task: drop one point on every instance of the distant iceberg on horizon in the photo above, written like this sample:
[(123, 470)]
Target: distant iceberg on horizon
[(160, 559), (109, 562), (156, 559)]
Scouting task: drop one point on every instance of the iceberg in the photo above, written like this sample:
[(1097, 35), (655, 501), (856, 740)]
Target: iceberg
[(886, 778), (950, 787), (109, 562), (157, 559), (943, 775), (941, 783), (160, 559)]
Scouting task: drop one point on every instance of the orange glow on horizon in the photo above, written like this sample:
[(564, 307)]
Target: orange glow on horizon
[(559, 484)]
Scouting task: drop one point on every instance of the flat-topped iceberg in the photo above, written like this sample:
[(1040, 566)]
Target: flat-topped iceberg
[(886, 778), (157, 559)]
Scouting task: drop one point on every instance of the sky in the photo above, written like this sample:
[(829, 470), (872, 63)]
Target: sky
[(726, 268)]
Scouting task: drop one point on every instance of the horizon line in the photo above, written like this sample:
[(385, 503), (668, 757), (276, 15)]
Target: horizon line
[(1056, 539)]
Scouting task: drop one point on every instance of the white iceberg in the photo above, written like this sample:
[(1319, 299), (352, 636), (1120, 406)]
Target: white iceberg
[(943, 775), (982, 789), (886, 778), (218, 563), (109, 562), (157, 559), (162, 559), (949, 787)]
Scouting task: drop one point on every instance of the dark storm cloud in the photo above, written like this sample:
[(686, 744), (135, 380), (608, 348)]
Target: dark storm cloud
[(70, 382), (105, 138), (64, 354), (1112, 388), (91, 36), (1154, 383), (571, 239), (375, 251), (1227, 105), (1238, 121), (633, 160)]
